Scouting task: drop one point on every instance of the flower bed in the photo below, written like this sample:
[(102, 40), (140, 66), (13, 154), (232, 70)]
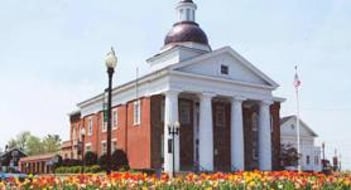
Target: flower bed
[(241, 180)]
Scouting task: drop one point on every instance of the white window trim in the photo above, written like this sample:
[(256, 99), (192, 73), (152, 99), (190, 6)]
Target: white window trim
[(115, 118), (86, 147), (90, 126), (113, 148), (103, 124), (136, 120), (102, 147)]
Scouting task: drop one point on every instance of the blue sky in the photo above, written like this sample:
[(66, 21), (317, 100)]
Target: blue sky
[(52, 53)]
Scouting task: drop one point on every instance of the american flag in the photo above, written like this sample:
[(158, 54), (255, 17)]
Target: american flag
[(297, 81)]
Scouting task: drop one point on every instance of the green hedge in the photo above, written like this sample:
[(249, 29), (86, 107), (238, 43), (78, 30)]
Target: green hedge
[(78, 169)]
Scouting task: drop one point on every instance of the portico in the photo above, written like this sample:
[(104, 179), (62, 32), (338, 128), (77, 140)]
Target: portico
[(212, 131)]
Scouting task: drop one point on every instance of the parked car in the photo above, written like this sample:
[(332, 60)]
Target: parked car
[(15, 174)]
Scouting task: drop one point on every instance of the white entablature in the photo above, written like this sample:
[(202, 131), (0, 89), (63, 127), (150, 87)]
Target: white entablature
[(200, 73)]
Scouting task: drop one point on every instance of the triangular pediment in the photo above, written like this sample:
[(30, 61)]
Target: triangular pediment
[(288, 128), (239, 69)]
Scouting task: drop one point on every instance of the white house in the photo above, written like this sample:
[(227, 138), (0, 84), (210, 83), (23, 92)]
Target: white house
[(310, 154)]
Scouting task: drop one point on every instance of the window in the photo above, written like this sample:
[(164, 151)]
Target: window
[(181, 14), (308, 160), (137, 113), (254, 154), (115, 119), (254, 121), (184, 112), (220, 119), (103, 123), (74, 134), (224, 70), (114, 145), (90, 126), (292, 126), (316, 160), (187, 14), (103, 147), (88, 147)]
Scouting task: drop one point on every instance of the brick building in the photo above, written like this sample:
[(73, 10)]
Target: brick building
[(229, 118), (38, 164)]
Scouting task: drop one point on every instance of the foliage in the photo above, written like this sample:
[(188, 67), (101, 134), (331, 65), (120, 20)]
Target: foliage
[(77, 169), (71, 162), (22, 139), (119, 160), (90, 158), (289, 155), (255, 180), (102, 161), (34, 145), (12, 144), (51, 143)]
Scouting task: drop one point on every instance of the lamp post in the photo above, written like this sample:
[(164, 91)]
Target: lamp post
[(111, 63), (82, 133), (173, 130)]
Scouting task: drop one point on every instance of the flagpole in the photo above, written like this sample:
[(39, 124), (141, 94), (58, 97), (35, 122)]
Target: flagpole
[(298, 122)]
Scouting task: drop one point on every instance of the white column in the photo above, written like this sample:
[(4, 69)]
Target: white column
[(264, 137), (171, 116), (237, 135), (206, 132)]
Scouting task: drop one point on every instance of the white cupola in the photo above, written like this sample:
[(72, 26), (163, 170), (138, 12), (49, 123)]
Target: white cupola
[(186, 10)]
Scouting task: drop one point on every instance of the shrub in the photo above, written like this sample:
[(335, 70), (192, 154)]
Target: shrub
[(78, 169), (102, 161), (90, 158), (71, 162), (119, 160)]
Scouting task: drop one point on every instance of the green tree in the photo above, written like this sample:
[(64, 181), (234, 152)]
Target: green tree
[(34, 146), (12, 143), (52, 143), (22, 140)]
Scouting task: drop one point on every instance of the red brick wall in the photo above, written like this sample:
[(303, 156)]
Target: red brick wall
[(275, 112), (142, 142), (139, 136), (157, 127)]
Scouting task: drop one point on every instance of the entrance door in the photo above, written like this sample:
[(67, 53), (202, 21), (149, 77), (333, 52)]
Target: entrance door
[(186, 134), (221, 135)]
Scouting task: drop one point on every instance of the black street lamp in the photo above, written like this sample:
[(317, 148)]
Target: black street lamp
[(173, 130), (111, 63), (82, 133)]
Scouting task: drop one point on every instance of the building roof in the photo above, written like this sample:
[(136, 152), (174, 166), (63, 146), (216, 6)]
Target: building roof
[(186, 1), (66, 144), (186, 31), (39, 157), (283, 120), (11, 150)]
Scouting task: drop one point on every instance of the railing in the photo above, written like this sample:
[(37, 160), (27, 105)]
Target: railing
[(198, 168)]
